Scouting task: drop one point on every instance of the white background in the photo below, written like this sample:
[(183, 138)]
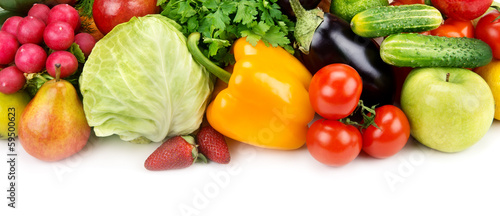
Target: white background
[(108, 177)]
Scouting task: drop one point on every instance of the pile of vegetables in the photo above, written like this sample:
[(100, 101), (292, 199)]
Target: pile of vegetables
[(152, 77)]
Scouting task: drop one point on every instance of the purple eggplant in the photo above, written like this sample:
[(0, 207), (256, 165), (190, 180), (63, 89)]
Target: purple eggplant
[(287, 9), (325, 39)]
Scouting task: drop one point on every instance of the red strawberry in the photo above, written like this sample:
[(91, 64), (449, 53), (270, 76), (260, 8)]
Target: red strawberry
[(213, 145), (175, 153)]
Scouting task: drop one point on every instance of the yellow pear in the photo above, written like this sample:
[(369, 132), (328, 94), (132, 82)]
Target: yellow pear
[(53, 125)]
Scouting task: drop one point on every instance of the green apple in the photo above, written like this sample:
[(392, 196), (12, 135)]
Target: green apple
[(449, 109), (11, 108), (346, 9)]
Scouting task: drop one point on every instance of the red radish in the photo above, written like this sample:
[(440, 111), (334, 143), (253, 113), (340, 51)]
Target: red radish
[(8, 47), (11, 80), (30, 58), (65, 13), (40, 11), (59, 35), (68, 62), (10, 25), (30, 30), (86, 42)]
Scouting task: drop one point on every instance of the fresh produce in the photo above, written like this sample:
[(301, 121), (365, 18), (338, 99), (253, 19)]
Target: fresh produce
[(407, 2), (333, 143), (5, 15), (389, 134), (449, 109), (335, 90), (416, 50), (109, 13), (40, 11), (20, 6), (488, 30), (30, 30), (53, 125), (266, 103), (287, 9), (213, 145), (30, 58), (491, 74), (462, 9), (222, 23), (68, 62), (23, 6), (384, 21), (13, 104), (330, 40), (11, 80), (455, 28), (65, 13), (176, 153), (86, 42), (166, 91), (8, 47), (58, 35), (346, 9), (10, 25)]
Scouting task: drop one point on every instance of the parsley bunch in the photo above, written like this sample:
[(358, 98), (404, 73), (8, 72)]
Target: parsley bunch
[(221, 22)]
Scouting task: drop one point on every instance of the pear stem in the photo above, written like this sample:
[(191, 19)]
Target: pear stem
[(447, 77), (58, 71)]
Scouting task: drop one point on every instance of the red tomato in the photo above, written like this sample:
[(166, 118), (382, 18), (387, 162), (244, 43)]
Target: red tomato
[(462, 9), (333, 143), (335, 90), (455, 28), (391, 137), (488, 31)]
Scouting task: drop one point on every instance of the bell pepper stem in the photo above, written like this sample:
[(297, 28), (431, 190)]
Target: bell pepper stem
[(192, 44)]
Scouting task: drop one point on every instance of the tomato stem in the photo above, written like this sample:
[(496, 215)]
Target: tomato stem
[(368, 119)]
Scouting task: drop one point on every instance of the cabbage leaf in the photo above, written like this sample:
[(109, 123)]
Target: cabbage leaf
[(141, 83)]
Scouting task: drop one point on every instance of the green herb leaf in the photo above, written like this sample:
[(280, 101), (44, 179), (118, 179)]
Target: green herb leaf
[(221, 22), (77, 52)]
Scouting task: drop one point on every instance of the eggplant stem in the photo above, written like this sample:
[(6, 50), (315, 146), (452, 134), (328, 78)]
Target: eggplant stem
[(192, 44)]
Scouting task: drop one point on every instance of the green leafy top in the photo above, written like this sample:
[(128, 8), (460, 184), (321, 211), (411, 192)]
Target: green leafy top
[(85, 7), (221, 22)]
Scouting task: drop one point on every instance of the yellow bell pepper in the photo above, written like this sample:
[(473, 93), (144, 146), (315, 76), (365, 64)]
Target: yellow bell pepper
[(266, 103)]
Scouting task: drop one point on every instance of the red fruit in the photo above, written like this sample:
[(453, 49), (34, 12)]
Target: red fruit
[(109, 13), (462, 9), (175, 153), (212, 144), (68, 61)]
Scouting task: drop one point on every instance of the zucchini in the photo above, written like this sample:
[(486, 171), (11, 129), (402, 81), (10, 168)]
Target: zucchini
[(387, 20), (416, 50)]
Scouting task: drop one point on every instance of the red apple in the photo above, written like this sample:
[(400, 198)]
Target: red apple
[(462, 9), (109, 13)]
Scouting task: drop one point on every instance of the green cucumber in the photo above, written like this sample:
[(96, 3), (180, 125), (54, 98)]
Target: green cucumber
[(416, 50), (387, 20)]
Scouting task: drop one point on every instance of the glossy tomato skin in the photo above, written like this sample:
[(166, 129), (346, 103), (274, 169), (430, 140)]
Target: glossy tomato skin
[(391, 137), (488, 31), (335, 90), (109, 13), (333, 143), (462, 9), (455, 28)]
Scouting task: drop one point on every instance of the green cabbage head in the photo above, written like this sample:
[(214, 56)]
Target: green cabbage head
[(141, 83)]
